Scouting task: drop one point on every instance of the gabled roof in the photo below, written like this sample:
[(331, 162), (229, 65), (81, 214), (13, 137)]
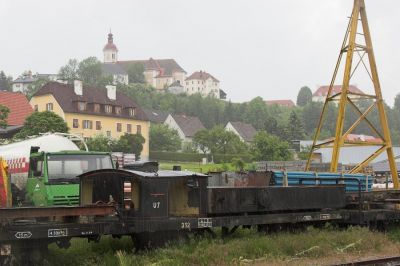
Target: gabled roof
[(323, 90), (246, 131), (201, 75), (189, 125), (156, 116), (166, 67), (66, 97), (18, 105), (113, 69), (288, 103)]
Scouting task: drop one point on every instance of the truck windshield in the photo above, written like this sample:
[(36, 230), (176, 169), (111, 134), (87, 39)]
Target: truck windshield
[(68, 166)]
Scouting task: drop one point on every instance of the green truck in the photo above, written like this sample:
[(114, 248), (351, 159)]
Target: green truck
[(52, 178)]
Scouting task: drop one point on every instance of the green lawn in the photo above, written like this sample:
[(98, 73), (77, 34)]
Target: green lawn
[(243, 247), (201, 168)]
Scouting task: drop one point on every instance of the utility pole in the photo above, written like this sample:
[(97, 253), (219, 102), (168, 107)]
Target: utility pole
[(350, 47)]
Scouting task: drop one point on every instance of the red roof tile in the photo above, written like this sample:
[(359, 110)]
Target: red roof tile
[(202, 75), (288, 103), (323, 90), (18, 105)]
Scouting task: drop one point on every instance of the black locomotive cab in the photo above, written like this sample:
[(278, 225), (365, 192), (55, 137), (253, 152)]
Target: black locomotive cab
[(147, 194)]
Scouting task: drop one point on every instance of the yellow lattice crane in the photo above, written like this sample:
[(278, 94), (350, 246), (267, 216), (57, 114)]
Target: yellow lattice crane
[(350, 47)]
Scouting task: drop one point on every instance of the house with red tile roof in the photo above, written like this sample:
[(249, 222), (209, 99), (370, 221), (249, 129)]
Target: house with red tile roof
[(320, 94), (20, 109), (285, 103), (203, 83), (160, 73)]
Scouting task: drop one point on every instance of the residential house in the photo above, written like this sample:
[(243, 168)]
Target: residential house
[(246, 132), (160, 73), (22, 83), (187, 127), (176, 88), (89, 111), (20, 109), (320, 94), (285, 103), (156, 116), (203, 83)]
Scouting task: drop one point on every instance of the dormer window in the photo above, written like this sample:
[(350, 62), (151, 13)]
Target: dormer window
[(118, 110), (131, 111), (96, 107), (81, 106), (108, 109)]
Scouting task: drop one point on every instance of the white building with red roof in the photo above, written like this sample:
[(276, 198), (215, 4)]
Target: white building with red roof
[(320, 94), (203, 83), (285, 103), (160, 73)]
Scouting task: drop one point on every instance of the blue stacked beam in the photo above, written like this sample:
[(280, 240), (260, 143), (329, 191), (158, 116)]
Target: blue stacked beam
[(351, 185)]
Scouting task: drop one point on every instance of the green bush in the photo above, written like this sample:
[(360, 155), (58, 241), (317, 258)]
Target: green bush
[(196, 157)]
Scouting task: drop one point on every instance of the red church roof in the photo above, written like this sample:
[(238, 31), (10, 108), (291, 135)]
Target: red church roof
[(287, 103), (18, 105), (323, 90)]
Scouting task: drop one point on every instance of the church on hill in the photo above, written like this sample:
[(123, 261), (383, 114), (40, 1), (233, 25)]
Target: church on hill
[(160, 73)]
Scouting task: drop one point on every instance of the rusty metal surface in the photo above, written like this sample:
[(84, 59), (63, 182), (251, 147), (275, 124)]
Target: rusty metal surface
[(35, 212)]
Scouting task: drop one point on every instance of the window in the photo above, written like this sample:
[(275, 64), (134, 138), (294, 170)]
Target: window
[(119, 127), (108, 109), (49, 107), (75, 123), (118, 110), (113, 56), (96, 107), (138, 129), (129, 128), (98, 125), (109, 134), (87, 124), (36, 108), (131, 111), (81, 106)]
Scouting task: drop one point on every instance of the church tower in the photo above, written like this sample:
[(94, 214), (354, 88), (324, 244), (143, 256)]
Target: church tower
[(110, 51)]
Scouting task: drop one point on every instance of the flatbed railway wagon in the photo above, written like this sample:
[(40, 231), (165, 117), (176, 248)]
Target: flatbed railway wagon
[(155, 206)]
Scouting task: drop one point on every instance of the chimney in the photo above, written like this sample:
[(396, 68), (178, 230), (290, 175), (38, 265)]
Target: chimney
[(78, 89), (111, 92)]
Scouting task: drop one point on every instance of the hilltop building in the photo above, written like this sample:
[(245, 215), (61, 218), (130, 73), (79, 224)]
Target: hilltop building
[(22, 83), (160, 73), (203, 83), (320, 94), (89, 111), (285, 103)]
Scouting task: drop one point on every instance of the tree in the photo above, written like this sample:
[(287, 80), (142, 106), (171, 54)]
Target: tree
[(42, 122), (135, 73), (89, 71), (35, 86), (69, 72), (219, 141), (5, 82), (266, 147), (397, 102), (294, 129), (100, 143), (162, 138), (304, 96), (4, 111), (130, 143)]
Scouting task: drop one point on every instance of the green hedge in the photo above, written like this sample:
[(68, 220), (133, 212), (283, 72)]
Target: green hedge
[(195, 157)]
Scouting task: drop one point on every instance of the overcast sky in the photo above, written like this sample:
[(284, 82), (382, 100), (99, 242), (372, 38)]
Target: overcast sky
[(255, 48)]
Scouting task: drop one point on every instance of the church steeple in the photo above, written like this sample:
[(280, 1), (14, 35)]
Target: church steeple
[(110, 51)]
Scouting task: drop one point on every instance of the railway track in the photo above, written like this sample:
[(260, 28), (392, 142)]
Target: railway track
[(388, 261)]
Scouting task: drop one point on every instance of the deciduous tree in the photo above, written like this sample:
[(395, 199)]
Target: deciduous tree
[(4, 111), (266, 147), (162, 138), (42, 122), (304, 96)]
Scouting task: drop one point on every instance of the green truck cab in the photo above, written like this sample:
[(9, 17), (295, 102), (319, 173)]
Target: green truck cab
[(52, 178)]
